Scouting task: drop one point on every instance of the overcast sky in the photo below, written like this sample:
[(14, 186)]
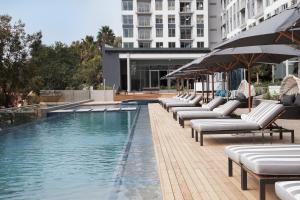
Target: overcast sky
[(64, 20)]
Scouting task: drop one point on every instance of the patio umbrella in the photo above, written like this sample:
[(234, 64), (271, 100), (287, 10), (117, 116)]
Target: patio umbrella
[(283, 28), (250, 56)]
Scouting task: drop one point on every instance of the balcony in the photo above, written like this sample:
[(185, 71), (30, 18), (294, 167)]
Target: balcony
[(143, 8)]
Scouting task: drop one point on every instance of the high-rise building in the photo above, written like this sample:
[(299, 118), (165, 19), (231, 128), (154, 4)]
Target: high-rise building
[(170, 23), (161, 35), (240, 15)]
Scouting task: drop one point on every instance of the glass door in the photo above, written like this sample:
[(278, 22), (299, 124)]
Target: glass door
[(154, 78)]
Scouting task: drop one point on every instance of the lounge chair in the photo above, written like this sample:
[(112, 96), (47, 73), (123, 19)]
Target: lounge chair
[(189, 103), (206, 107), (261, 119), (177, 97), (269, 169), (185, 98), (288, 190), (263, 161), (220, 112)]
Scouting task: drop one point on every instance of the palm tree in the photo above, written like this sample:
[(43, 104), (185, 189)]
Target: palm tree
[(105, 36)]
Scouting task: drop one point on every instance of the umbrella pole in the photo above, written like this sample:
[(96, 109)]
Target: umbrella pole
[(207, 88), (202, 83), (249, 88), (213, 85)]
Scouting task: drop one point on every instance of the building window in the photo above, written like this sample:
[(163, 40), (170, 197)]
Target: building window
[(171, 19), (200, 26), (143, 7), (159, 44), (158, 4), (144, 44), (185, 7), (199, 4), (159, 19), (145, 33), (127, 5), (200, 32), (200, 19), (144, 20), (128, 44), (127, 19), (185, 20), (186, 45), (127, 32), (159, 32), (172, 32), (172, 45), (171, 4), (200, 44), (185, 33)]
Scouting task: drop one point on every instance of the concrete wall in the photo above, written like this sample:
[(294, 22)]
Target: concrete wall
[(111, 69), (78, 95), (102, 95)]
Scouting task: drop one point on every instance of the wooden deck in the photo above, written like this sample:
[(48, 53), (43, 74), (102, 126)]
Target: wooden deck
[(188, 171)]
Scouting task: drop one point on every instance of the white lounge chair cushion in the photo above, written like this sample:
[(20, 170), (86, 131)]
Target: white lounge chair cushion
[(227, 108), (264, 113), (214, 103), (234, 152), (177, 109), (197, 114), (267, 164), (223, 124), (288, 190), (195, 100)]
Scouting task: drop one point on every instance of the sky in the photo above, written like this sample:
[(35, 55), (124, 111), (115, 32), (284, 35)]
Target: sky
[(64, 20)]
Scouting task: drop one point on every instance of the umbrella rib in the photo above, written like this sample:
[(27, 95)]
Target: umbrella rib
[(288, 36)]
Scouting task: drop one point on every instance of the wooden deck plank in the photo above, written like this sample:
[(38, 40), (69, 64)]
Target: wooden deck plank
[(188, 171)]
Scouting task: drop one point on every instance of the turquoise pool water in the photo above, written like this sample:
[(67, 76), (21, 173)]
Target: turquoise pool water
[(70, 157)]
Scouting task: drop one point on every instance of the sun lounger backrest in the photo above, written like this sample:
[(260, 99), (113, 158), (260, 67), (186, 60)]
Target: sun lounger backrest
[(227, 108), (264, 113), (254, 113), (195, 100), (191, 97), (214, 103), (185, 97)]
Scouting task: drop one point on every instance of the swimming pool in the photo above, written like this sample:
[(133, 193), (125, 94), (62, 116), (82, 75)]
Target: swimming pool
[(70, 157)]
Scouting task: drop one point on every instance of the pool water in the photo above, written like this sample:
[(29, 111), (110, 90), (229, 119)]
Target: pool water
[(70, 157)]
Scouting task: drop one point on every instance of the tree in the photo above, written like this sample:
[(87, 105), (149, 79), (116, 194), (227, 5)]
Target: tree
[(117, 42), (105, 36), (88, 72), (15, 49), (262, 71)]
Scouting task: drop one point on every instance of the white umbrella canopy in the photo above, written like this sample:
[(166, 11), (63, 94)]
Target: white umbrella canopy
[(290, 85), (280, 29)]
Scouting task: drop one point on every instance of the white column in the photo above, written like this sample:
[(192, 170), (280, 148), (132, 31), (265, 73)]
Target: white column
[(128, 74), (286, 68)]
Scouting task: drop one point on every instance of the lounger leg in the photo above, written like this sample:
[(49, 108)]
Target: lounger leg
[(230, 167), (196, 136), (182, 123), (174, 116), (243, 179), (201, 139), (192, 132), (262, 190), (293, 136), (280, 133)]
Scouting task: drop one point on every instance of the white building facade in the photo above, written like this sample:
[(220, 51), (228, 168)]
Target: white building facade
[(240, 15), (170, 23)]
